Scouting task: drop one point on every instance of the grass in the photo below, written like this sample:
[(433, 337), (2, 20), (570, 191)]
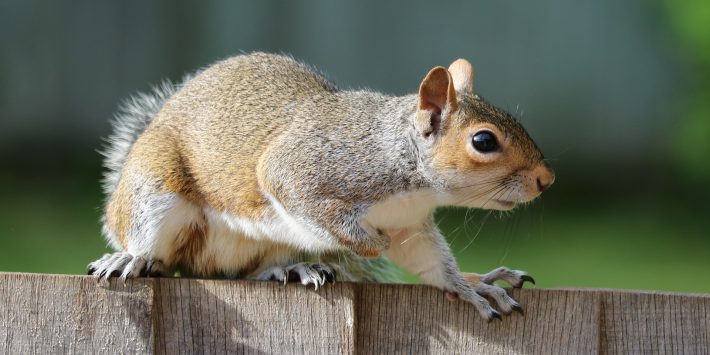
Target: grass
[(49, 229), (643, 245), (628, 247)]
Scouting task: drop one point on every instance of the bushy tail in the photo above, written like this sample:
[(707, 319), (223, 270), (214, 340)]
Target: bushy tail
[(133, 116), (354, 268)]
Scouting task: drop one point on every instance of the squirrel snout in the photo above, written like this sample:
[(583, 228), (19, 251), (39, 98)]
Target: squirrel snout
[(545, 177)]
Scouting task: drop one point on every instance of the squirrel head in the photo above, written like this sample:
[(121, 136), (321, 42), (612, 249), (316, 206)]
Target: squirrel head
[(482, 156)]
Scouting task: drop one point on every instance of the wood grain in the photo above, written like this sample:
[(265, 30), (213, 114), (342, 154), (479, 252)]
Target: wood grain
[(420, 320), (647, 322), (213, 316), (75, 314), (43, 314)]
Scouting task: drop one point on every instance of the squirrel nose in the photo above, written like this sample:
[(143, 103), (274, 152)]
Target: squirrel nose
[(545, 178)]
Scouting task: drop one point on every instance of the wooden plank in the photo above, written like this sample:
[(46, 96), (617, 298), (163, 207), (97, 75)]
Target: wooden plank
[(651, 322), (42, 314), (221, 316), (419, 319), (74, 314)]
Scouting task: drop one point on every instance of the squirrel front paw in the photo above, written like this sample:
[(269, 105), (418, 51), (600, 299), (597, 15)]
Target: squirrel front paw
[(482, 285), (477, 294), (515, 278)]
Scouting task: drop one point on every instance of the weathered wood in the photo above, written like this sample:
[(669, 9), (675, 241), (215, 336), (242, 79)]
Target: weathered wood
[(217, 316), (415, 319), (42, 314), (75, 314), (648, 322)]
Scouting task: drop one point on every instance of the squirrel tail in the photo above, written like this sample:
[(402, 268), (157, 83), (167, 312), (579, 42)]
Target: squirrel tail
[(355, 268), (133, 116)]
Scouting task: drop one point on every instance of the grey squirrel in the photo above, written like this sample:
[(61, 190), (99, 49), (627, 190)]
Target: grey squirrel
[(257, 167)]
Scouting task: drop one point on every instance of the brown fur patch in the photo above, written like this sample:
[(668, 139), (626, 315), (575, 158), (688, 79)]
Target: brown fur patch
[(181, 180), (367, 252), (246, 200), (252, 265), (190, 243), (208, 266), (153, 158), (117, 213)]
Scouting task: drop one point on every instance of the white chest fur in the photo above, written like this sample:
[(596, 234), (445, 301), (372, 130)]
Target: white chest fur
[(405, 209)]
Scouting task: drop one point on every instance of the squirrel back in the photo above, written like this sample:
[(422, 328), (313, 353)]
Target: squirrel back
[(137, 112), (247, 105)]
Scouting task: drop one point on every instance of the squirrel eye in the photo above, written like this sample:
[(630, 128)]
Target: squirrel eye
[(484, 142)]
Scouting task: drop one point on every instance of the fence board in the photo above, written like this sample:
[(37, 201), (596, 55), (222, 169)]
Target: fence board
[(42, 314), (75, 314), (218, 316)]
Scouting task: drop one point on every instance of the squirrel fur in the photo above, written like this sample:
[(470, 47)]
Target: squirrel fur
[(257, 167)]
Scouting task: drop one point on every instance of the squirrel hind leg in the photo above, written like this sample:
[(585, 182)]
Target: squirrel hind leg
[(155, 228), (124, 265), (315, 274)]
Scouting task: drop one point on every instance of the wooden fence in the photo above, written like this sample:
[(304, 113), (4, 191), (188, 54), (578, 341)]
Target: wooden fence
[(75, 314)]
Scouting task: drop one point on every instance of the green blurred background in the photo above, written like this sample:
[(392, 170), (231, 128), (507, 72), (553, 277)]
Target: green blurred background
[(616, 93)]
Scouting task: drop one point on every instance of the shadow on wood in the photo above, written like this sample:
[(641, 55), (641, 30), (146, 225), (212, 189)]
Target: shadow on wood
[(75, 314)]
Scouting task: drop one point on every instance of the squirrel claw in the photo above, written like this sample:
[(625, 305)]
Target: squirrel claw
[(305, 273), (522, 280), (527, 278), (482, 294), (124, 265), (494, 315)]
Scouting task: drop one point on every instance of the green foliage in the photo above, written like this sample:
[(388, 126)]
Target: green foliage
[(694, 147), (690, 20), (636, 246)]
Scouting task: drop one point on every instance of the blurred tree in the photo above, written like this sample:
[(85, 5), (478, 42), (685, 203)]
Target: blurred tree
[(690, 20)]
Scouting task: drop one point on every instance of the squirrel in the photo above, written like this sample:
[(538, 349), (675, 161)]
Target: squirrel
[(258, 167)]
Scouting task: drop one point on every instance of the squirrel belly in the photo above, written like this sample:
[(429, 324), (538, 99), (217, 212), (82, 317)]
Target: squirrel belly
[(258, 167)]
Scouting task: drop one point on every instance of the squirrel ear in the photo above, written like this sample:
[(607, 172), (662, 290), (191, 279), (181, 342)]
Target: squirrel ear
[(436, 94), (462, 72), (437, 91)]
